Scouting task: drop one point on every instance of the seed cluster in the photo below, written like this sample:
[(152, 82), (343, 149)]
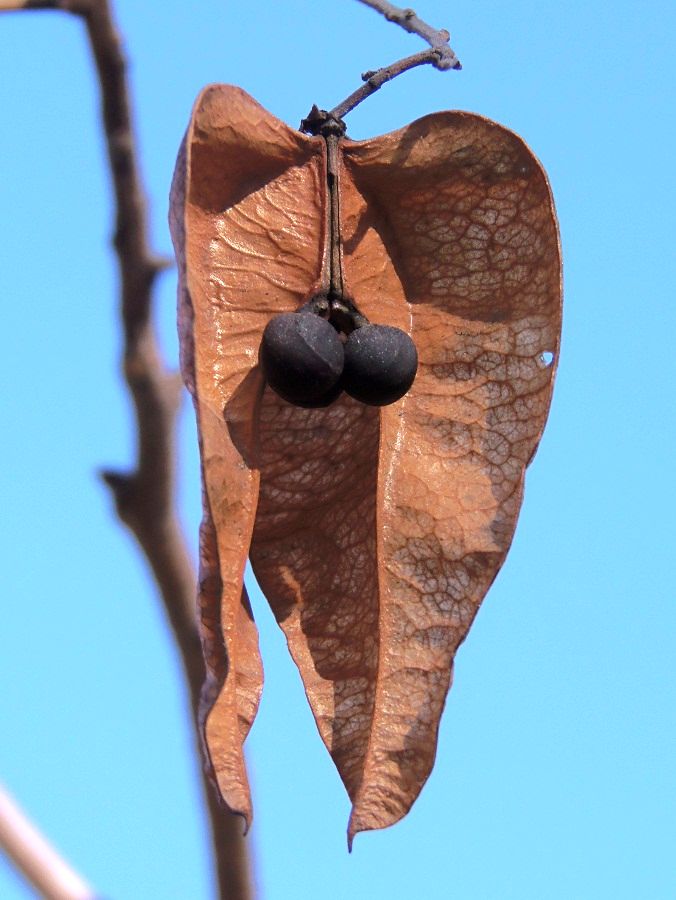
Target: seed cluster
[(309, 361), (327, 346)]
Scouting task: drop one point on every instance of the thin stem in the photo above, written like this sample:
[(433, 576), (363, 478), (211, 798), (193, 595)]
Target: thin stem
[(343, 312), (408, 20), (375, 80), (333, 179), (34, 856), (440, 55), (14, 5)]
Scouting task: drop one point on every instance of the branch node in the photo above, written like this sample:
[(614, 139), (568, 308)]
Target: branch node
[(122, 486), (440, 55), (173, 391), (320, 122), (161, 263)]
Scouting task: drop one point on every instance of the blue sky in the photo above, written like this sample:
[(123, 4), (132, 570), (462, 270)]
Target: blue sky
[(555, 769)]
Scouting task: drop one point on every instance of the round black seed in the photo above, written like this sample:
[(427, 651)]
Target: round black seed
[(302, 357), (325, 399), (380, 364)]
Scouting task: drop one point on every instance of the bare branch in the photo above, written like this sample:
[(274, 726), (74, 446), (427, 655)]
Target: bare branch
[(373, 81), (409, 21), (440, 55), (145, 497), (35, 857), (14, 5)]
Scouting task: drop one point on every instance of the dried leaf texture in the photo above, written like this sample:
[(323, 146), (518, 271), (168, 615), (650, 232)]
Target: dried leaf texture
[(377, 531), (247, 225), (461, 214)]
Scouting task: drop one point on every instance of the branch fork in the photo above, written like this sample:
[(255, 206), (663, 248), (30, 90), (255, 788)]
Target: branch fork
[(440, 55)]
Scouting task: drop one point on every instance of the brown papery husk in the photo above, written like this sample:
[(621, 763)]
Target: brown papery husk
[(377, 531)]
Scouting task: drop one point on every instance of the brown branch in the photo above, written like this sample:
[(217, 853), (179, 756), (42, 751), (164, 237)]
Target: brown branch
[(145, 497), (440, 55), (409, 21), (13, 5), (373, 81)]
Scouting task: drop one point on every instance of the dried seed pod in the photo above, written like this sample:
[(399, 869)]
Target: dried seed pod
[(374, 533)]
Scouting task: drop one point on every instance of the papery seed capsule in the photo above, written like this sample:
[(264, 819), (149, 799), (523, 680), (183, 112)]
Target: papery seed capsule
[(380, 364), (302, 358)]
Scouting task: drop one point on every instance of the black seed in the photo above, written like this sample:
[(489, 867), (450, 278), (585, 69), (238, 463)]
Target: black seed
[(325, 399), (302, 357), (380, 364)]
